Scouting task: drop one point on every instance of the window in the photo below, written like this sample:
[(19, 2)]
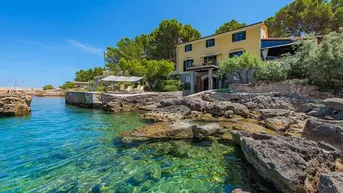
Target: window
[(239, 36), (188, 48), (187, 64), (237, 53), (210, 43), (210, 60)]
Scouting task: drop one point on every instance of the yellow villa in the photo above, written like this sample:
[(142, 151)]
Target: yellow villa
[(197, 61)]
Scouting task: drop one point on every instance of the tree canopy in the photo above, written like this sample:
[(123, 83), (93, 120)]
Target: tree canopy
[(238, 63), (323, 63), (152, 70), (228, 26), (305, 17), (88, 75), (160, 44), (67, 85), (48, 87)]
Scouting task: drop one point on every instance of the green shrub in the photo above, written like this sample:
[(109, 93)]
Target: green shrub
[(48, 87), (170, 88), (161, 85), (100, 89), (272, 71)]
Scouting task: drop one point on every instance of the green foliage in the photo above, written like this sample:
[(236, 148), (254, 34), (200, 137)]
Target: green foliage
[(301, 16), (158, 45), (272, 71), (88, 75), (228, 26), (321, 64), (67, 85), (152, 70), (166, 85), (167, 36), (48, 87), (100, 88), (237, 64), (170, 88), (127, 48), (92, 87)]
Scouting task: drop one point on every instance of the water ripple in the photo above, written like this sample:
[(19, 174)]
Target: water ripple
[(61, 148)]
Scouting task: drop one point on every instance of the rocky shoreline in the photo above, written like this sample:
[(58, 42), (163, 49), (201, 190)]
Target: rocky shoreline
[(15, 104), (292, 140)]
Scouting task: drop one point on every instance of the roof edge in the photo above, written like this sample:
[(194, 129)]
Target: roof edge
[(261, 22)]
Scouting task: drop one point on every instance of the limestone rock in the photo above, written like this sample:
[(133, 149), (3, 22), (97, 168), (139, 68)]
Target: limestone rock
[(218, 108), (171, 113), (114, 107), (331, 182), (206, 130), (195, 104), (305, 108), (320, 112), (329, 132), (224, 108), (237, 190), (334, 103), (200, 116), (148, 107), (267, 113), (279, 123), (15, 104), (291, 164)]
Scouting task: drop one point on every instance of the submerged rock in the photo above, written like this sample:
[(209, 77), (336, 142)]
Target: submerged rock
[(15, 104), (291, 164), (331, 183), (237, 190), (176, 130)]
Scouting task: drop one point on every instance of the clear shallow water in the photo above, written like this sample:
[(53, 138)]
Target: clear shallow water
[(67, 149)]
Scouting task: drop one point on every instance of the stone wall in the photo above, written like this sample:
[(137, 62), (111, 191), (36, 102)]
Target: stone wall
[(83, 99), (283, 88)]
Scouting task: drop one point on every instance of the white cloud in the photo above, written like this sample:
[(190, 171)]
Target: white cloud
[(34, 43), (86, 47)]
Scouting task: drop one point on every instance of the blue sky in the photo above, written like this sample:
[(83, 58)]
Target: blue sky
[(47, 41)]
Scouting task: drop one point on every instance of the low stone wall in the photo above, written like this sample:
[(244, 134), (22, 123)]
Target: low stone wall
[(283, 88), (83, 99), (133, 102)]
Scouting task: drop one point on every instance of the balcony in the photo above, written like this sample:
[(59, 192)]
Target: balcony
[(203, 66)]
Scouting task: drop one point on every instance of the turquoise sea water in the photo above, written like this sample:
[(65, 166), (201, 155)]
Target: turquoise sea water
[(61, 148)]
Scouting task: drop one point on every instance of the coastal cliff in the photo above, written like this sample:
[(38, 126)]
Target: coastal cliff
[(15, 104)]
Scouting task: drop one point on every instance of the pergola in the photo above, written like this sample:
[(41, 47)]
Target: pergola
[(122, 79)]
